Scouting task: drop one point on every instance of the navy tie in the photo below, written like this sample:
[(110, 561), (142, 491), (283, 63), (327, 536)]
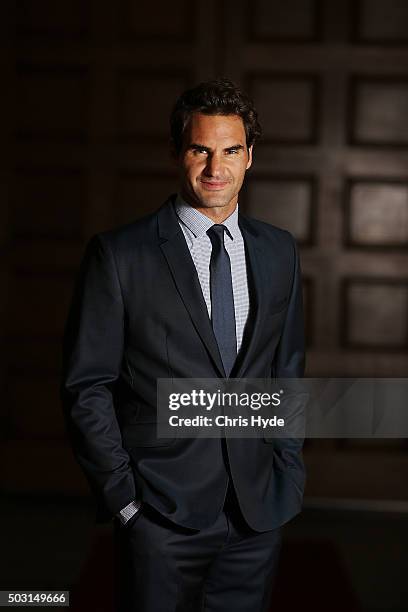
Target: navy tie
[(222, 298)]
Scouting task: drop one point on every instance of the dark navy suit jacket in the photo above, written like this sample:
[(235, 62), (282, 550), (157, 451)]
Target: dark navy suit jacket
[(138, 314)]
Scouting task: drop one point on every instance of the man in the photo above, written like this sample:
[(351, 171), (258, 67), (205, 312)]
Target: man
[(194, 290)]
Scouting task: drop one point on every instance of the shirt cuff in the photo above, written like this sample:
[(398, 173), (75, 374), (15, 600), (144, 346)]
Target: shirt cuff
[(128, 511)]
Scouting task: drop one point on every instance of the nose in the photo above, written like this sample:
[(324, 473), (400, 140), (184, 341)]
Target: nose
[(213, 166)]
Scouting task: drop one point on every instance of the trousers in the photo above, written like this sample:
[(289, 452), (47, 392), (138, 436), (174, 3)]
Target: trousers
[(163, 567)]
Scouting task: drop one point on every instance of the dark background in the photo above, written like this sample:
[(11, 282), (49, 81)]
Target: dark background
[(87, 89)]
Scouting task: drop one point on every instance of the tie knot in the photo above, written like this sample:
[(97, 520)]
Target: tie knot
[(216, 232)]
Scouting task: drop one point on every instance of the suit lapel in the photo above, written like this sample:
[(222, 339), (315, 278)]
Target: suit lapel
[(257, 286), (178, 257)]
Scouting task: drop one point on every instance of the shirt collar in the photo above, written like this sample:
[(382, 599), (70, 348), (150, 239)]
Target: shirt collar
[(198, 223)]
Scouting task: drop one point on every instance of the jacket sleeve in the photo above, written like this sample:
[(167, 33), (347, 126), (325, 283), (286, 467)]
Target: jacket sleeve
[(92, 356), (289, 361)]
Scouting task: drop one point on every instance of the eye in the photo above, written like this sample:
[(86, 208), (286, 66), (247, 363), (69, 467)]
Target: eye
[(198, 151), (232, 151)]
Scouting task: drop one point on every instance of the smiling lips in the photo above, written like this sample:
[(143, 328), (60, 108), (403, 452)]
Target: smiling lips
[(214, 185)]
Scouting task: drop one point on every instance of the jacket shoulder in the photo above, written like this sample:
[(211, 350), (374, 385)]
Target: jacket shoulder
[(271, 232), (129, 232), (128, 236)]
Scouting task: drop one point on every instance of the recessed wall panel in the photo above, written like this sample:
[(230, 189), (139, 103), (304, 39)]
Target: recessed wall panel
[(288, 108), (284, 20), (285, 202), (157, 20), (144, 104), (379, 112), (376, 314), (378, 214), (382, 21)]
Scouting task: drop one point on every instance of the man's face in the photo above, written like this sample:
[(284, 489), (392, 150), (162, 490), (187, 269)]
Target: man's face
[(213, 161)]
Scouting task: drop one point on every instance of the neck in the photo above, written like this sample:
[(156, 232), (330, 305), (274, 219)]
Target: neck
[(217, 214)]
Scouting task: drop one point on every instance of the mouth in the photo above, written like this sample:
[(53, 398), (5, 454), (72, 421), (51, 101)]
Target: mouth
[(214, 185)]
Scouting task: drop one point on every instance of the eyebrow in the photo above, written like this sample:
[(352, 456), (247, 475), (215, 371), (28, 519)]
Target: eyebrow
[(196, 146)]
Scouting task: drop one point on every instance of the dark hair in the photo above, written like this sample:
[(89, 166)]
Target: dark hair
[(216, 97)]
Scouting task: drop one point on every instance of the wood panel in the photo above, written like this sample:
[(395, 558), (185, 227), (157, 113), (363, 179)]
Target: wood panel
[(379, 111), (290, 21), (377, 213), (283, 121), (286, 201), (380, 21), (151, 21), (142, 108), (376, 313)]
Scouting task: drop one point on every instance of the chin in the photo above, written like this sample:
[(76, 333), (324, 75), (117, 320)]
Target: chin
[(213, 201)]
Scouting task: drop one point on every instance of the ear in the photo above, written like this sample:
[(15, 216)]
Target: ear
[(249, 164)]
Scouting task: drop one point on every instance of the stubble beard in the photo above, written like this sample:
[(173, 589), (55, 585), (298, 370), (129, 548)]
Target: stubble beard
[(215, 200)]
